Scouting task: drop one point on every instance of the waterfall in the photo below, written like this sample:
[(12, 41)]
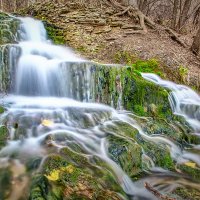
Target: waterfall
[(44, 75), (184, 101), (51, 114), (32, 30)]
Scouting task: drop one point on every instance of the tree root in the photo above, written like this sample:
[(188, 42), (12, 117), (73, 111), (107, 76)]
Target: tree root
[(123, 12), (144, 21), (133, 12)]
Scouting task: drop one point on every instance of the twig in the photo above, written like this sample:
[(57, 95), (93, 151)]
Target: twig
[(175, 37), (123, 12), (156, 193), (197, 63)]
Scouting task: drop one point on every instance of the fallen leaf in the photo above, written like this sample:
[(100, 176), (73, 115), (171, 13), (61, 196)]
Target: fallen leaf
[(46, 122), (190, 164), (54, 175), (68, 169)]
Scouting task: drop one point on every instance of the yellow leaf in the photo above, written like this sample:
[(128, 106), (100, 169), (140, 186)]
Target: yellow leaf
[(190, 164), (68, 169), (46, 122), (54, 175)]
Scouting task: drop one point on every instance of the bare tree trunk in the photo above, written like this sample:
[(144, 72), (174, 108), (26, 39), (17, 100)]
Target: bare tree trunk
[(196, 43), (139, 2), (184, 13), (14, 5), (175, 13), (133, 3), (1, 4), (144, 5)]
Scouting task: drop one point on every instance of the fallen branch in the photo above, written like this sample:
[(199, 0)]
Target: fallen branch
[(135, 32), (175, 37), (156, 193), (149, 22), (123, 12)]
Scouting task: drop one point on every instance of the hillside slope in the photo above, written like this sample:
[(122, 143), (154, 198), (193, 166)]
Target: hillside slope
[(97, 33)]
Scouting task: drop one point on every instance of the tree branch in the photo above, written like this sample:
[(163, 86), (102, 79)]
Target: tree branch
[(157, 193), (123, 12), (175, 37)]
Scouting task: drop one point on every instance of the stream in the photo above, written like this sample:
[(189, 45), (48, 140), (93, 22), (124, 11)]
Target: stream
[(49, 110)]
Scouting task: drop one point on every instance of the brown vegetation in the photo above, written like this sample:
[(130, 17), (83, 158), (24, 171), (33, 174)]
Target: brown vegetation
[(183, 16)]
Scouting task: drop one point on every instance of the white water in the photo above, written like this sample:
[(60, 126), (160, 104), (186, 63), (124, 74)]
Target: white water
[(32, 30), (39, 69), (184, 101), (41, 94)]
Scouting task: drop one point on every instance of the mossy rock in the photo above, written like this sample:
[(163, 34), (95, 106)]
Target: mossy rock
[(39, 188), (54, 162), (188, 193), (33, 163), (4, 134), (142, 97), (8, 28), (122, 85), (65, 180), (2, 109), (127, 155), (3, 15), (55, 33), (193, 172), (178, 130)]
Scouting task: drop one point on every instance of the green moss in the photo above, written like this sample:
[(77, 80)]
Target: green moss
[(147, 66), (8, 28), (55, 34), (39, 188), (70, 178), (138, 94), (4, 133), (160, 156), (139, 110), (3, 15), (193, 172), (73, 181), (126, 154), (183, 71), (188, 193), (82, 49), (74, 157), (54, 162), (125, 86), (124, 57), (139, 66)]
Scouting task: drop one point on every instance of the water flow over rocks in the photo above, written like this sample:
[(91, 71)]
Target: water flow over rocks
[(61, 148), (184, 101), (43, 76)]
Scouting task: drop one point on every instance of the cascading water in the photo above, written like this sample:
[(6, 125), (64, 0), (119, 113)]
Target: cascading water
[(184, 101), (44, 119), (43, 76)]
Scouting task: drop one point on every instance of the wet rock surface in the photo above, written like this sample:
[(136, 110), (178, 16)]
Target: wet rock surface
[(73, 150)]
